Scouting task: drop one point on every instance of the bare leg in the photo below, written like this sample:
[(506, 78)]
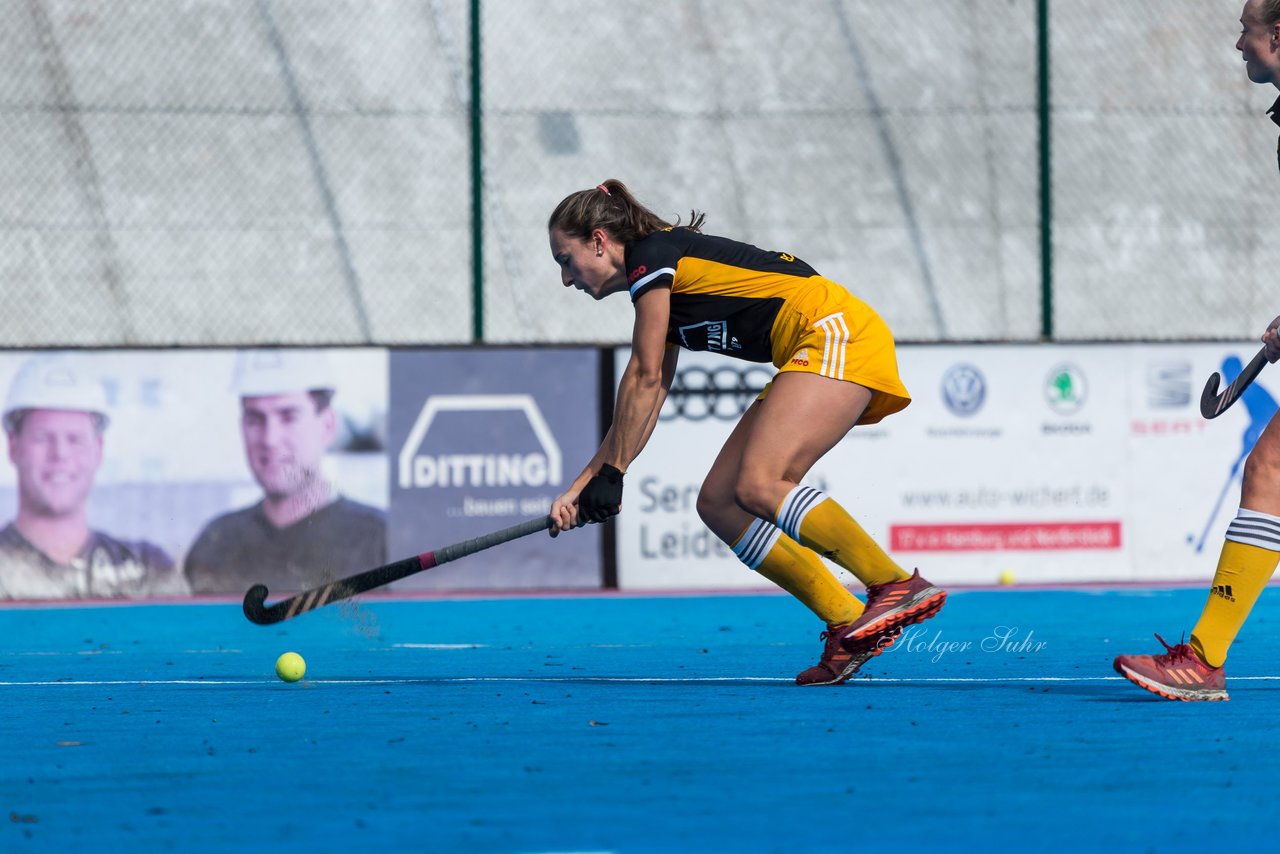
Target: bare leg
[(802, 418), (761, 545), (1260, 489)]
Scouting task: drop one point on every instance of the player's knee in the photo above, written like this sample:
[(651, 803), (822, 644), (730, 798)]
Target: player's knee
[(1262, 468), (711, 505), (753, 497), (706, 506)]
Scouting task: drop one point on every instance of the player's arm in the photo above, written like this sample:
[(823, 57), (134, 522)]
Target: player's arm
[(641, 392), (644, 382), (669, 361)]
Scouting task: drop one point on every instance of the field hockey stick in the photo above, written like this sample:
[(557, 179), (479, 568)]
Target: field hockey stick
[(1213, 404), (256, 609)]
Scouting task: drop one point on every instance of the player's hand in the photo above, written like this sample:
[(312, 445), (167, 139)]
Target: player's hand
[(1271, 341), (602, 496), (564, 513)]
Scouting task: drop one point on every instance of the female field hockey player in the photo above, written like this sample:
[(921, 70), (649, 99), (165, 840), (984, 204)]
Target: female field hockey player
[(1252, 548), (837, 368)]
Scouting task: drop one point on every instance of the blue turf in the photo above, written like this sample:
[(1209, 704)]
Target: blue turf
[(623, 724)]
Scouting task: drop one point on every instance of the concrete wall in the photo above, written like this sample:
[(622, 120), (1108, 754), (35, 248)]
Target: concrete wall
[(289, 171)]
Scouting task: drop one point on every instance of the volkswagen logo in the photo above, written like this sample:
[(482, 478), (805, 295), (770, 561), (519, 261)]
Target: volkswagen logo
[(964, 389)]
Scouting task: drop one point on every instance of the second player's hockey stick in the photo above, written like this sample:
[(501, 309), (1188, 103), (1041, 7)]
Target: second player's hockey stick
[(1213, 404), (256, 609)]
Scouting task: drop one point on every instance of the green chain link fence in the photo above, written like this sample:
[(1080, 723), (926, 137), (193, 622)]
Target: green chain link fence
[(306, 171)]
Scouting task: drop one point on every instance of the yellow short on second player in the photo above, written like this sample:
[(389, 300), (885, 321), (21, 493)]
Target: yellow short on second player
[(290, 667)]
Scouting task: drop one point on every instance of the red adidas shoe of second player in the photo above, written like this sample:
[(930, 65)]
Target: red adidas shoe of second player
[(1178, 674)]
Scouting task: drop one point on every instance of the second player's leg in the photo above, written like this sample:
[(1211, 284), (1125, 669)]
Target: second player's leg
[(1249, 554), (1260, 489)]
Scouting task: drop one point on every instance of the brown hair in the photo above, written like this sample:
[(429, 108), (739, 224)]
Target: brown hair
[(1270, 12), (611, 207)]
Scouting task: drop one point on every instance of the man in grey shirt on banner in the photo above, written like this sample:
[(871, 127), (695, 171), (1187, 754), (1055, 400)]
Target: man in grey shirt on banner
[(55, 414), (302, 533)]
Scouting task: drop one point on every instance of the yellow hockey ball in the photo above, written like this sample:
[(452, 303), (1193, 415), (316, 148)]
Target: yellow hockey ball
[(1006, 577), (290, 667)]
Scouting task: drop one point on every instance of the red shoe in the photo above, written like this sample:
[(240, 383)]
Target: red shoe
[(1178, 674), (838, 663), (894, 605)]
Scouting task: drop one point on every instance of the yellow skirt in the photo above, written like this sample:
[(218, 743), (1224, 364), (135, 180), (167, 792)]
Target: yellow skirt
[(828, 331)]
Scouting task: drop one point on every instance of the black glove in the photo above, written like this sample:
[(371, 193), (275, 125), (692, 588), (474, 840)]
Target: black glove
[(602, 496)]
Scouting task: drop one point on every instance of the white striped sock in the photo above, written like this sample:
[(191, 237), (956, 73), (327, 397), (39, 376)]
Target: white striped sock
[(796, 506), (752, 546), (1255, 529)]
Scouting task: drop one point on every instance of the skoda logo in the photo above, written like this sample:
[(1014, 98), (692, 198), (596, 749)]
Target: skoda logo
[(1065, 389), (964, 389)]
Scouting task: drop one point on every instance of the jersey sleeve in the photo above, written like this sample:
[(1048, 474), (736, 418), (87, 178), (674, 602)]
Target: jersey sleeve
[(652, 263)]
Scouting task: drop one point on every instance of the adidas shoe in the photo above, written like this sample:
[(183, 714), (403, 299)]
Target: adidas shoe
[(838, 662), (1178, 674), (894, 605)]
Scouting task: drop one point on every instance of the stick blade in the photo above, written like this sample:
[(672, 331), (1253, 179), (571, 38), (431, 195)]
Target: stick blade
[(1213, 404), (1210, 405), (255, 606)]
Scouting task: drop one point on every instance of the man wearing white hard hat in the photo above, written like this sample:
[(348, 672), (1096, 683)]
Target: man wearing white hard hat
[(302, 532), (54, 417)]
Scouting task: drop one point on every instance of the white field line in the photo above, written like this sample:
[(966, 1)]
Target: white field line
[(637, 680)]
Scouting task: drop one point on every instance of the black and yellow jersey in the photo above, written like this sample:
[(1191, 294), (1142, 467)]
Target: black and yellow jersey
[(742, 301), (725, 295)]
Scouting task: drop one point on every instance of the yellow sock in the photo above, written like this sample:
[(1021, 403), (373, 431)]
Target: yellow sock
[(814, 519), (798, 571), (1248, 559)]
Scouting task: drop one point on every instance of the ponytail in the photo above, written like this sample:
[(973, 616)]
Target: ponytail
[(611, 207)]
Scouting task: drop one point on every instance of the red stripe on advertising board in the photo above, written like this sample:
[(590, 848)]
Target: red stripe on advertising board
[(1019, 536)]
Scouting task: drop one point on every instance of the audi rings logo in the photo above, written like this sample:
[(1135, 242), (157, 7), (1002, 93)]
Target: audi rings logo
[(699, 393), (964, 389)]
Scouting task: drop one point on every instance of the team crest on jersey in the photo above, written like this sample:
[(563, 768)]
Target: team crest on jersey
[(801, 358)]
